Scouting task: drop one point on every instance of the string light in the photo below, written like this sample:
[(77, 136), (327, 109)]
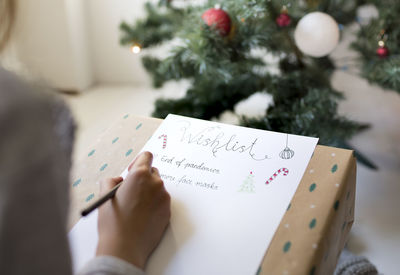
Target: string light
[(135, 48), (382, 37), (382, 51)]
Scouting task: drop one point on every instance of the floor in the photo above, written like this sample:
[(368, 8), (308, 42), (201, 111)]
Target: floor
[(376, 231)]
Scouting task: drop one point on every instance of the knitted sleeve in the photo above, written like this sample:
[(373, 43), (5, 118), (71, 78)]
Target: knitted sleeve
[(36, 135), (34, 172)]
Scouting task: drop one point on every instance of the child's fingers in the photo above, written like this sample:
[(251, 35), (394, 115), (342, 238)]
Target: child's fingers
[(144, 159), (133, 162), (140, 156), (130, 165), (155, 171), (108, 184)]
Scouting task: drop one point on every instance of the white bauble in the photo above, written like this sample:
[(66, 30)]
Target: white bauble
[(316, 34)]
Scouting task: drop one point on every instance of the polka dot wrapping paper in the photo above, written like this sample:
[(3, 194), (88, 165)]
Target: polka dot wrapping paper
[(311, 234)]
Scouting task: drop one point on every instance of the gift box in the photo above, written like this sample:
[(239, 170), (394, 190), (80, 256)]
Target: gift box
[(312, 232)]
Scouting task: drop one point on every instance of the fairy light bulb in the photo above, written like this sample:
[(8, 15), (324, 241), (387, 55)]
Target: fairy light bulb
[(135, 49)]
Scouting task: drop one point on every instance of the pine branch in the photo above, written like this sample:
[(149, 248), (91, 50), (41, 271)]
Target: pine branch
[(384, 71), (158, 27)]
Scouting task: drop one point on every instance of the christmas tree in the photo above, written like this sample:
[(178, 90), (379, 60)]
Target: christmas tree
[(378, 45), (222, 49), (248, 184)]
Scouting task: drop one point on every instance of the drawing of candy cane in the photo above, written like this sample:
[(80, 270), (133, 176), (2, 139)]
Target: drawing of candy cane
[(284, 172), (164, 140)]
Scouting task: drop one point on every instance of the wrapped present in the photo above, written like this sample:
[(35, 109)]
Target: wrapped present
[(312, 232)]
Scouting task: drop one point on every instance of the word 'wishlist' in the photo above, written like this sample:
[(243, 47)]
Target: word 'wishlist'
[(214, 139)]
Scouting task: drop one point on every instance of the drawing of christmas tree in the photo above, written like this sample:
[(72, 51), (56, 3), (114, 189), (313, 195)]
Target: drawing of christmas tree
[(248, 184)]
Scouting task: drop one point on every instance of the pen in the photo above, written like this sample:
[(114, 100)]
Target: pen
[(100, 201)]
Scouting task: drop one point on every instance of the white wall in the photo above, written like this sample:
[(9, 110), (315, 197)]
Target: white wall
[(72, 44), (79, 42), (50, 41), (112, 63)]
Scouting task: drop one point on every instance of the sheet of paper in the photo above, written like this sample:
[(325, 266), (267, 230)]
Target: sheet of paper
[(230, 187)]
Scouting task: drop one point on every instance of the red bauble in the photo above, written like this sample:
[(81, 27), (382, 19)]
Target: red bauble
[(283, 20), (382, 51), (218, 19)]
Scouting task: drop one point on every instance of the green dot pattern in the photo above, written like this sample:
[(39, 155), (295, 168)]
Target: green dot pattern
[(287, 246), (115, 140), (138, 126), (287, 209), (313, 223), (91, 153), (334, 168), (126, 116), (336, 205), (128, 152), (326, 256), (77, 182), (103, 167), (343, 225), (312, 187), (90, 197)]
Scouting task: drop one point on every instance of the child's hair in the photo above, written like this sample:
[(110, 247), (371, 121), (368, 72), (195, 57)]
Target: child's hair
[(7, 17)]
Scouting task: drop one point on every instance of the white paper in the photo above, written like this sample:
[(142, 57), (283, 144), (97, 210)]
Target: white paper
[(230, 187)]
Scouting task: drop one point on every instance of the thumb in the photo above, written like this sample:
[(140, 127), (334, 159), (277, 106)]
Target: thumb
[(108, 184)]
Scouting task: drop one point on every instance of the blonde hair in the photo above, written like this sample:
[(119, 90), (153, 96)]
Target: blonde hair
[(7, 17)]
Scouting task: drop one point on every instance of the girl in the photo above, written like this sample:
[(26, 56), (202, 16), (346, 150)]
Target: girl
[(35, 149)]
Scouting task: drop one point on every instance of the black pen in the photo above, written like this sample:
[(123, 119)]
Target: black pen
[(101, 200)]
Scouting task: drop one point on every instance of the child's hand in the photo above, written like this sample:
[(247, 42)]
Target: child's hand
[(133, 222)]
